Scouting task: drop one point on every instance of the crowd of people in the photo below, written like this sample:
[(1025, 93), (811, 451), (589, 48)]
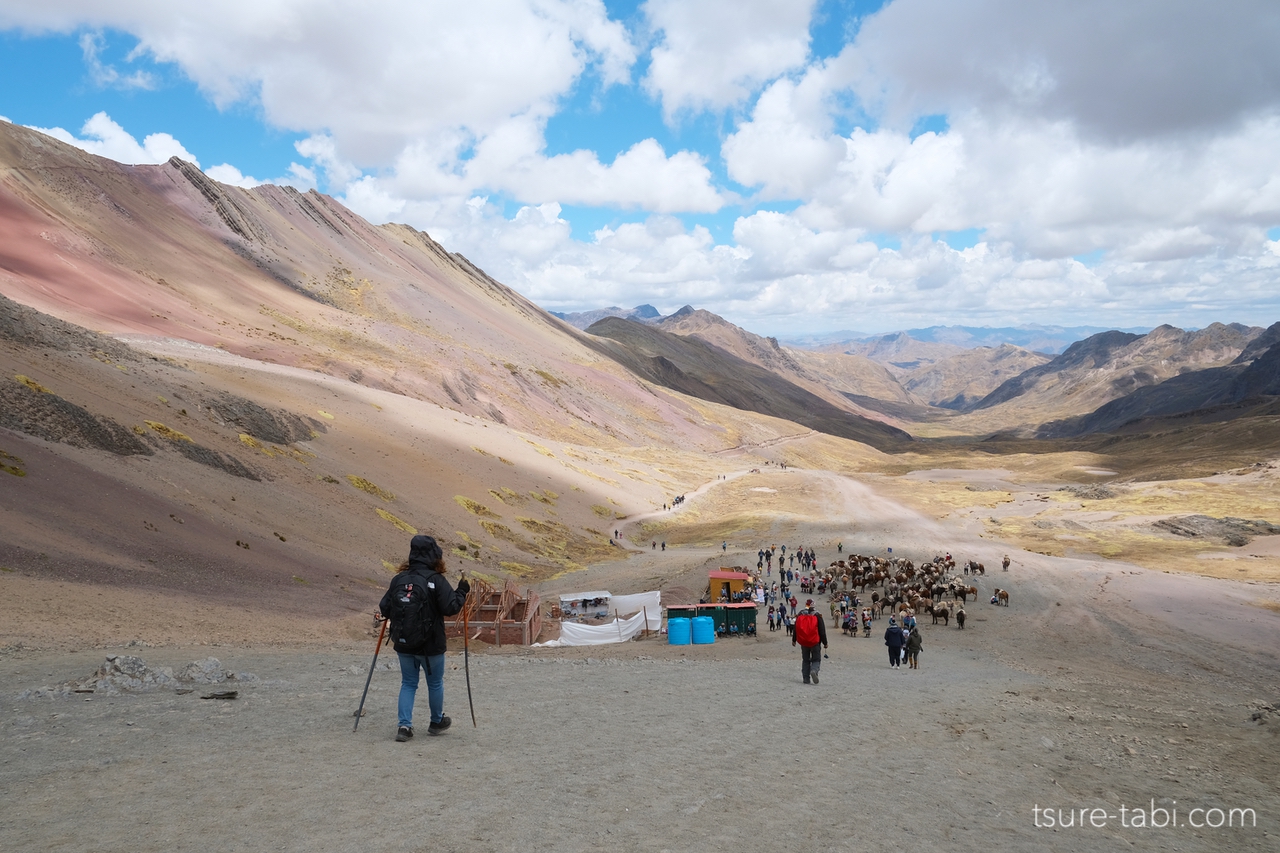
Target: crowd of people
[(859, 590)]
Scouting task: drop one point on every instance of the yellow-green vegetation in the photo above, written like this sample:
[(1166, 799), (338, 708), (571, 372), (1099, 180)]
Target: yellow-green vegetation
[(604, 512), (509, 496), (475, 507), (534, 525), (167, 432), (466, 537), (163, 399), (941, 497), (538, 447), (365, 486), (511, 367), (301, 580), (11, 464), (505, 461), (273, 451), (390, 566), (1112, 522), (546, 496), (549, 379), (501, 531), (555, 542), (327, 478), (520, 570), (589, 473), (139, 430), (403, 525), (325, 414), (734, 527), (32, 384), (480, 451)]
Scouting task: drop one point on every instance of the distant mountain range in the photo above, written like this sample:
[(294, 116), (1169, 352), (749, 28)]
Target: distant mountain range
[(1036, 338), (1043, 381), (1050, 339), (584, 319)]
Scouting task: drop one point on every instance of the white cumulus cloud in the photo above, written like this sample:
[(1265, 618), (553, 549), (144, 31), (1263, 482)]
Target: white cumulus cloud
[(713, 54), (103, 136)]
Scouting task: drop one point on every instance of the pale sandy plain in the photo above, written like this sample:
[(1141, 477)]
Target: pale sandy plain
[(1103, 685)]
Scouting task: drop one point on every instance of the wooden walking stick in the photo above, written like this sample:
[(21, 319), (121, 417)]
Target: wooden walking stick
[(363, 695), (466, 660)]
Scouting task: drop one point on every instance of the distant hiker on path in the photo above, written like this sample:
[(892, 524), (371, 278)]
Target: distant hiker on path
[(416, 602), (811, 635)]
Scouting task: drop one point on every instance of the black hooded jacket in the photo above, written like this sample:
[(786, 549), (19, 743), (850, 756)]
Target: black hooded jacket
[(424, 556)]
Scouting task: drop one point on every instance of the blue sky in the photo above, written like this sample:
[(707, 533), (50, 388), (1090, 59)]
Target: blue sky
[(793, 165)]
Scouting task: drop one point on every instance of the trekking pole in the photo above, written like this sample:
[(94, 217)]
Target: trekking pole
[(367, 681), (466, 660)]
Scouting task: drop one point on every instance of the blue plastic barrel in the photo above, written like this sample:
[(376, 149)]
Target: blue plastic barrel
[(678, 632), (704, 630)]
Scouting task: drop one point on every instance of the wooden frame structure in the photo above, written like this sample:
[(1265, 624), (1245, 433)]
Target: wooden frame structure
[(500, 617)]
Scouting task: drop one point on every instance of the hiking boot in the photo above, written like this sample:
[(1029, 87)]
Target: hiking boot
[(815, 678), (404, 733), (438, 728)]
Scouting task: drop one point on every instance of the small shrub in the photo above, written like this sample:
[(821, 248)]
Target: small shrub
[(403, 525), (365, 486), (475, 507)]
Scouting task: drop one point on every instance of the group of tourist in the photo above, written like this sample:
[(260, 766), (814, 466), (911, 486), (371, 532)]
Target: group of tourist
[(904, 590)]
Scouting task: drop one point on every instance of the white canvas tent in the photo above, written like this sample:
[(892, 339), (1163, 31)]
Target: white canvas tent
[(645, 604), (595, 603)]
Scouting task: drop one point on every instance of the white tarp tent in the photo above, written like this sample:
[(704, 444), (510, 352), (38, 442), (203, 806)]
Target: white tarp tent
[(578, 596), (625, 605), (617, 631), (594, 603)]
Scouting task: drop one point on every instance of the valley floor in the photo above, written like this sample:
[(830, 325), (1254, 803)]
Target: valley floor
[(1103, 685)]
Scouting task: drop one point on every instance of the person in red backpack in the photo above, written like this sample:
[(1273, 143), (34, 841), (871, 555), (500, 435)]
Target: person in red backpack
[(811, 635)]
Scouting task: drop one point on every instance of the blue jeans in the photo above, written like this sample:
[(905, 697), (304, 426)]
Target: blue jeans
[(409, 665)]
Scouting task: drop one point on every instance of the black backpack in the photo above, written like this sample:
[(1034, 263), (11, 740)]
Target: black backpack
[(412, 619)]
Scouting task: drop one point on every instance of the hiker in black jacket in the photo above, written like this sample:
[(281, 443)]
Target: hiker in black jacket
[(423, 573), (893, 639)]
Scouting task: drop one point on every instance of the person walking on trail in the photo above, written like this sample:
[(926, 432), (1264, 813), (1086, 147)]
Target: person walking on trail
[(893, 639), (416, 602), (794, 604), (811, 636), (914, 644)]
